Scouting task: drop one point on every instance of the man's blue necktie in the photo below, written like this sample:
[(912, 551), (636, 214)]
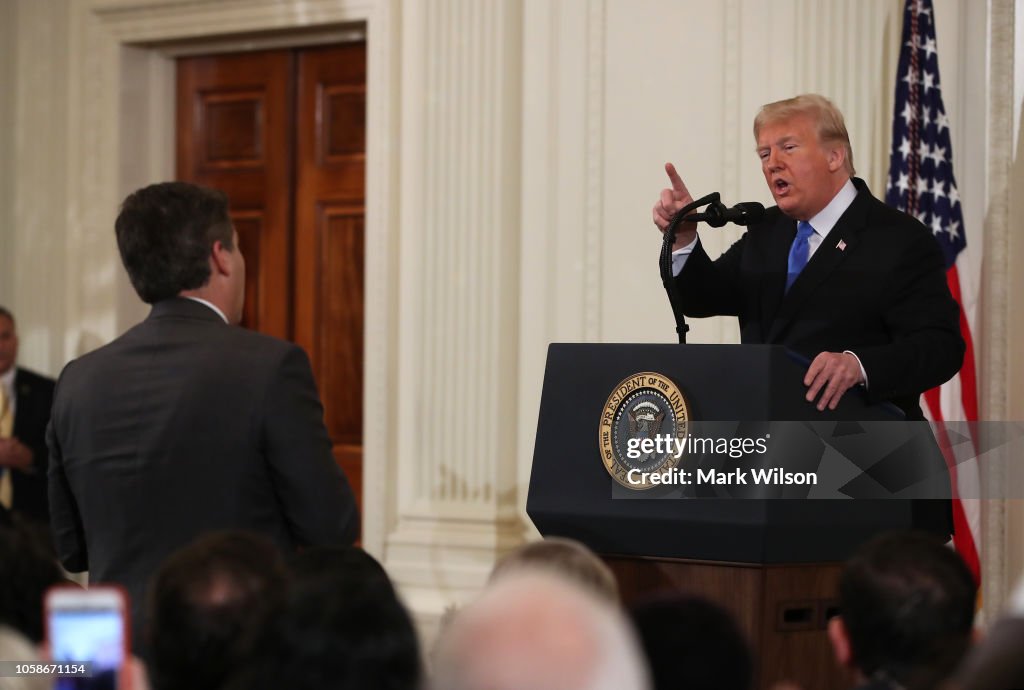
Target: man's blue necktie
[(799, 252)]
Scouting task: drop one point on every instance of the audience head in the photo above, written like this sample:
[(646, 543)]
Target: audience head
[(343, 628), (997, 663), (27, 570), (347, 568), (177, 237), (207, 603), (566, 557), (15, 647), (541, 631), (692, 643), (907, 606)]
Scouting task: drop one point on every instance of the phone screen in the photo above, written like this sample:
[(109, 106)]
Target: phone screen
[(88, 635)]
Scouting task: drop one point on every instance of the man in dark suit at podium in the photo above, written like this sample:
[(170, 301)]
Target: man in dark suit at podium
[(830, 272), (187, 423)]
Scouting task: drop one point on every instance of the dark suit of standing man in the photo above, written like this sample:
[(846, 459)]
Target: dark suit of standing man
[(187, 423), (23, 456), (870, 306)]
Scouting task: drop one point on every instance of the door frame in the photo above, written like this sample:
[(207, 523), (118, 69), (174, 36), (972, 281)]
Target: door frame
[(137, 41)]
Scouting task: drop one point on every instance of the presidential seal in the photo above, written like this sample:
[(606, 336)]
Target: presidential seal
[(642, 408)]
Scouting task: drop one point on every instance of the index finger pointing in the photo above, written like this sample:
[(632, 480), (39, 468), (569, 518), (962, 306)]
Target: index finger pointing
[(673, 176)]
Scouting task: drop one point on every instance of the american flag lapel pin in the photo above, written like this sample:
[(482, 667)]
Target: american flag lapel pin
[(841, 246)]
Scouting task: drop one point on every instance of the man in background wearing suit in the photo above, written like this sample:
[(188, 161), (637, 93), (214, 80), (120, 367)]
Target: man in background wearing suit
[(187, 423), (25, 400)]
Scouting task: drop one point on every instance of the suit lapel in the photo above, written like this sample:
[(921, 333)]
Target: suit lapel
[(840, 243)]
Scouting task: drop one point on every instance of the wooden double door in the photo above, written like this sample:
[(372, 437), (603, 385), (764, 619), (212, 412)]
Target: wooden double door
[(282, 133)]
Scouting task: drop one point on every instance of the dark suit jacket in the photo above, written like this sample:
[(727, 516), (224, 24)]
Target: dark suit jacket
[(882, 296), (181, 426), (34, 397), (876, 286)]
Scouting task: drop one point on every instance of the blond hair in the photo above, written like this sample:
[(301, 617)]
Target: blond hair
[(831, 126)]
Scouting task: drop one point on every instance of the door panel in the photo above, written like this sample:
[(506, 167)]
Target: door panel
[(235, 118), (283, 132), (329, 211)]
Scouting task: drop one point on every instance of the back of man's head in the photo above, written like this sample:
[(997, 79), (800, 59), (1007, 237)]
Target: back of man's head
[(692, 643), (541, 631), (343, 628), (165, 233), (566, 557), (208, 602), (907, 606), (349, 570)]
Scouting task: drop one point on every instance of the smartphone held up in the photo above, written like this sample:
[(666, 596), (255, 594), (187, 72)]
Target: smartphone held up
[(87, 637)]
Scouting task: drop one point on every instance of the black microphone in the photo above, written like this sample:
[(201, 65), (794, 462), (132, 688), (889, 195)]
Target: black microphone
[(716, 215)]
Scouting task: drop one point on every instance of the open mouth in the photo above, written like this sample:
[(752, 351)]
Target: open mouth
[(780, 186)]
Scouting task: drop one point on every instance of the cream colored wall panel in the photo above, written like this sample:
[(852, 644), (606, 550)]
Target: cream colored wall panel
[(663, 94), (41, 133), (456, 429), (555, 248), (1002, 287), (8, 81), (463, 108)]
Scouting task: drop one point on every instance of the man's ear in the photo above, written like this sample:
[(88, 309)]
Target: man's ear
[(220, 261), (836, 158), (840, 640)]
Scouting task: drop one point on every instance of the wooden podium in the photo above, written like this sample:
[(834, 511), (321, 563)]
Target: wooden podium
[(770, 555)]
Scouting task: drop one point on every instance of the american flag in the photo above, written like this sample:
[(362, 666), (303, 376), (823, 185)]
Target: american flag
[(921, 182)]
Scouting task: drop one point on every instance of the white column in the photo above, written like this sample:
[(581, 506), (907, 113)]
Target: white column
[(458, 314), (38, 218), (1000, 368), (8, 80)]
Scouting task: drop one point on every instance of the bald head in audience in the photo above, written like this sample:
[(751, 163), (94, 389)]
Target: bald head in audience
[(541, 631), (566, 557)]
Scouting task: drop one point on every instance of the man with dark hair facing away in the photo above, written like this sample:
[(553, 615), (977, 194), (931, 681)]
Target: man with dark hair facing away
[(692, 643), (343, 627), (207, 605), (907, 605), (187, 423)]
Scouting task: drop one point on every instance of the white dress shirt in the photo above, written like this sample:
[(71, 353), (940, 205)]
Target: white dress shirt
[(211, 305), (7, 381)]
